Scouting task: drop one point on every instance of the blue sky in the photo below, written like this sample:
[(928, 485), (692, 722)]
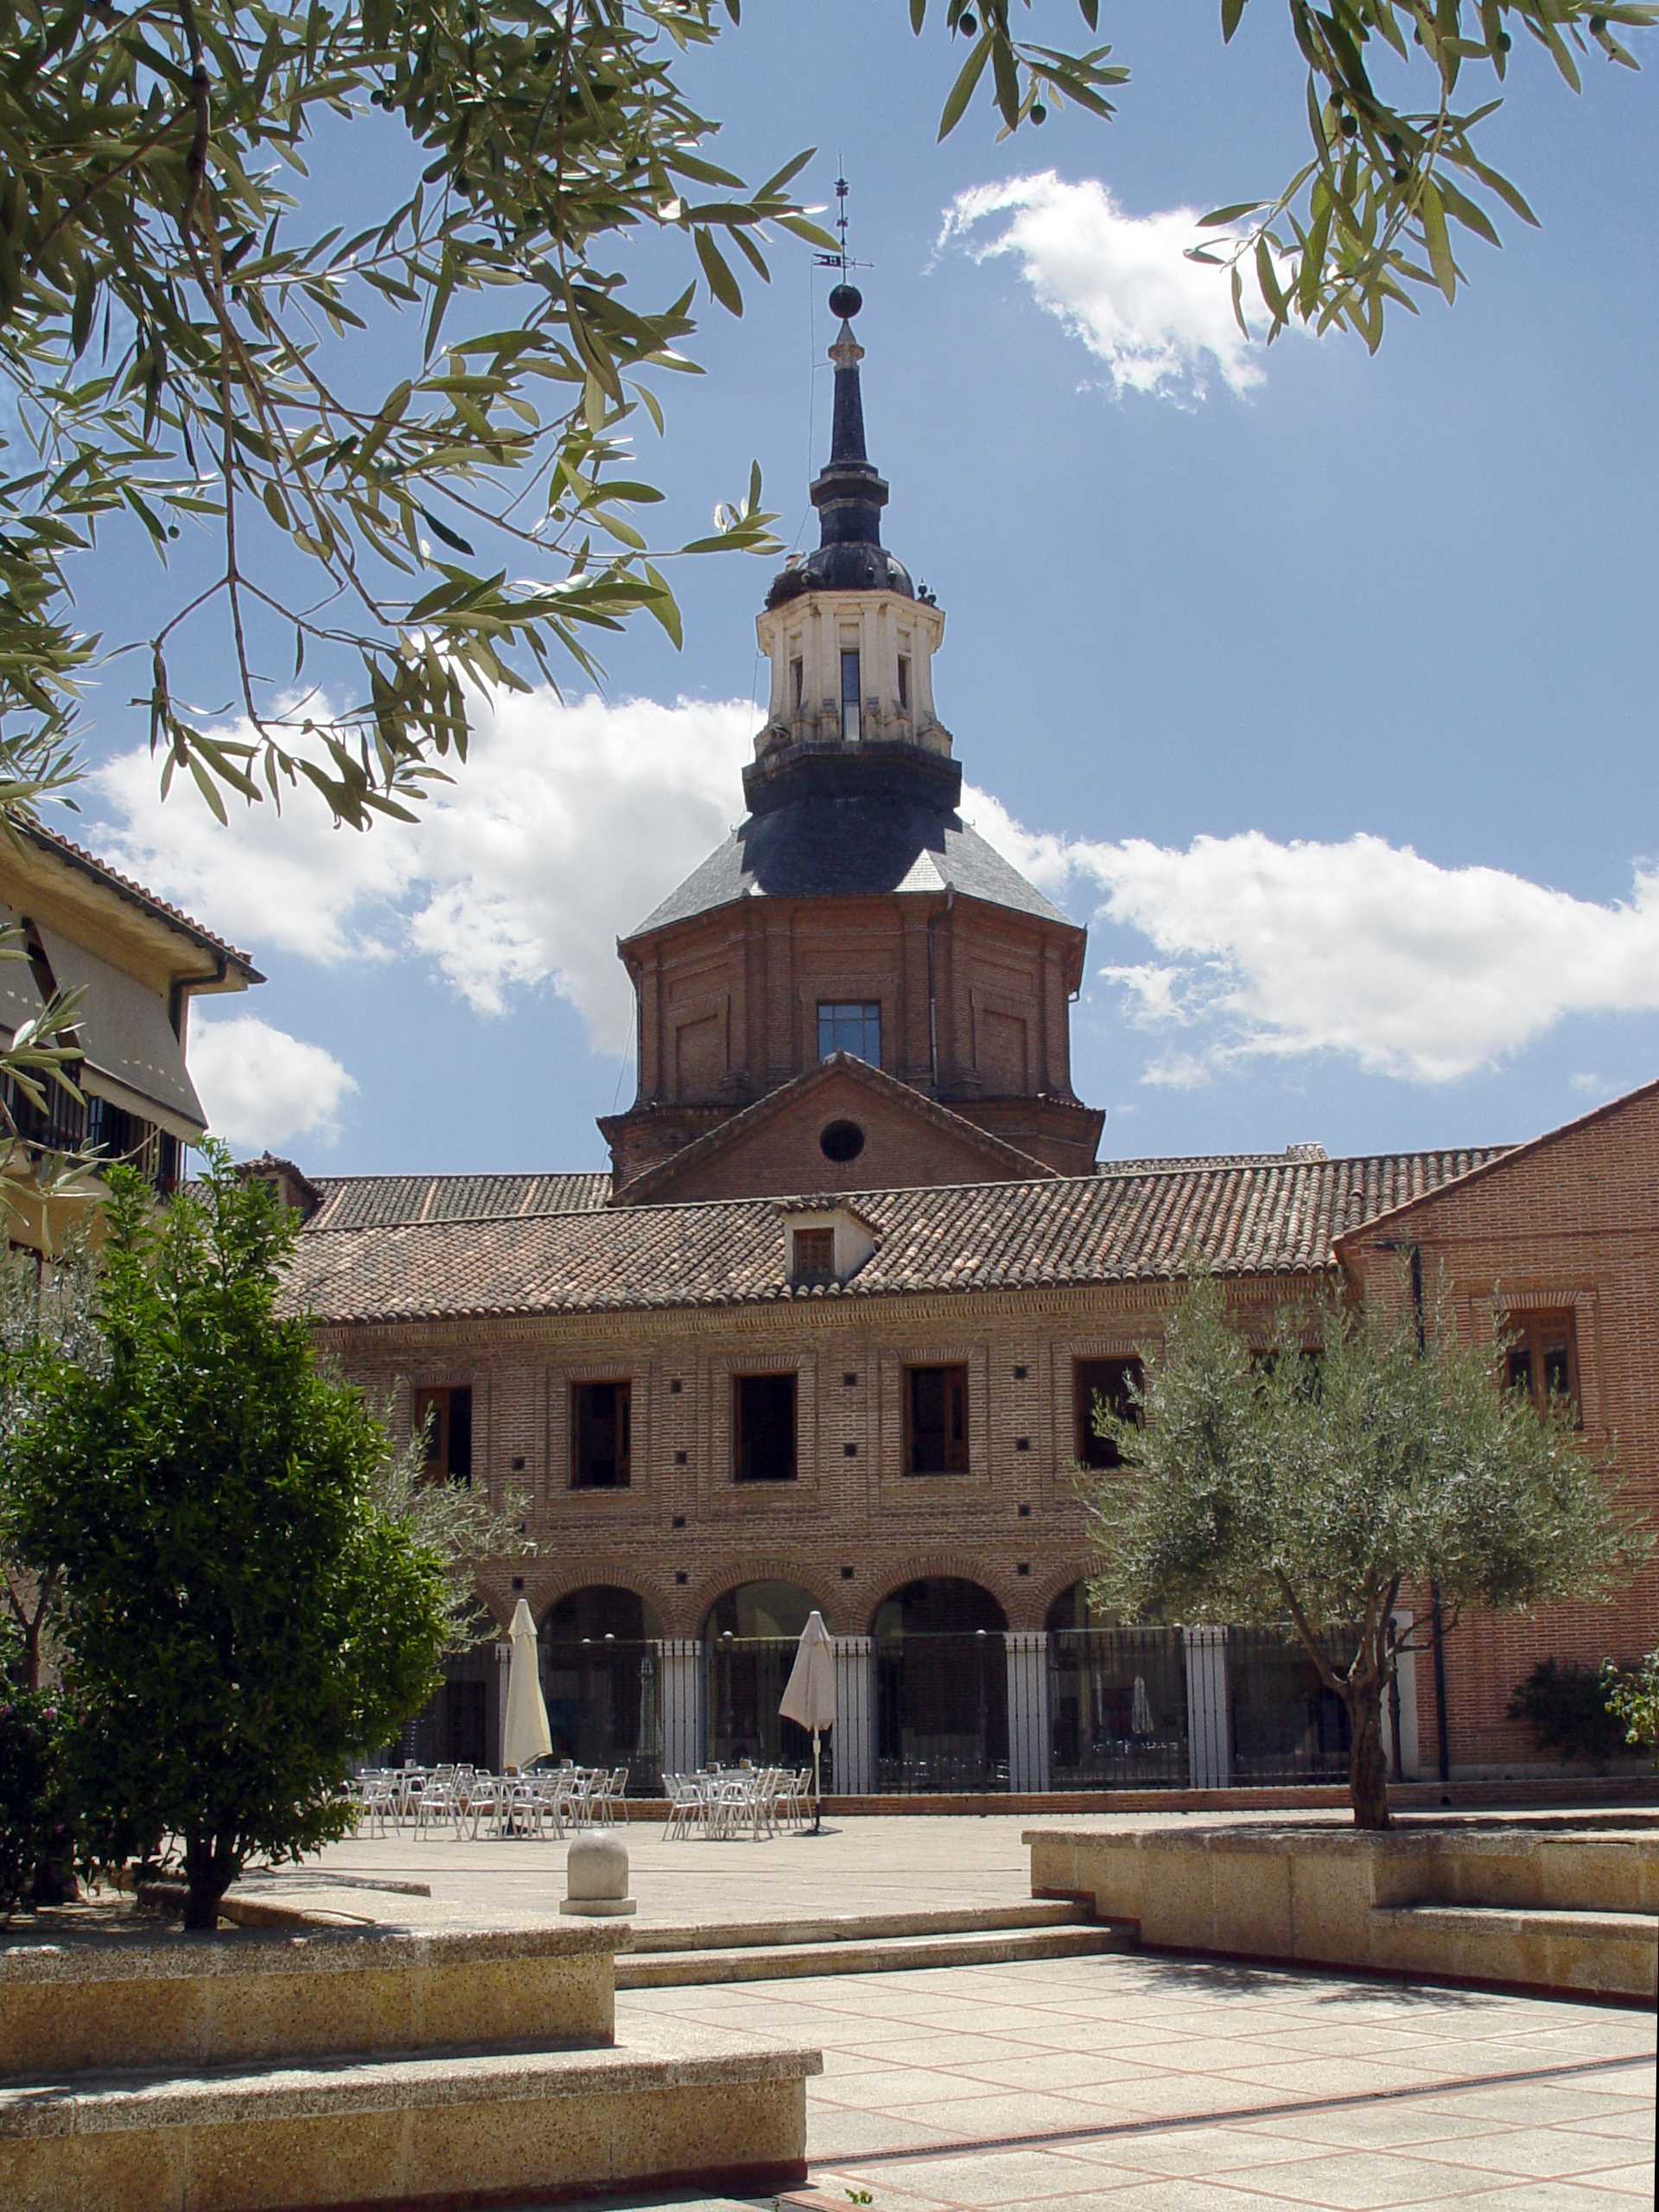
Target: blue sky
[(1319, 685)]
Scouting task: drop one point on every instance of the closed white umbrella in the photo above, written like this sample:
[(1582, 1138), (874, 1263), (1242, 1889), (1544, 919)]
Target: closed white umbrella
[(1140, 1721), (809, 1698), (527, 1737)]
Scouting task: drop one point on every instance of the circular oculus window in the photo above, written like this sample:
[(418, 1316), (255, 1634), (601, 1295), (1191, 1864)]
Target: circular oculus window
[(840, 1141)]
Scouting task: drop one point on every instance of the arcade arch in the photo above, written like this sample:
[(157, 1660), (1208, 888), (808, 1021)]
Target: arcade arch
[(749, 1637), (601, 1679), (941, 1687)]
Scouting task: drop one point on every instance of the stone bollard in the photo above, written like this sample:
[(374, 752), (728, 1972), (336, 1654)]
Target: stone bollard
[(596, 1877)]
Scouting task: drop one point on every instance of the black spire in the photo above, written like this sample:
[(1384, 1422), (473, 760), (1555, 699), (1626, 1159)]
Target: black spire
[(848, 492)]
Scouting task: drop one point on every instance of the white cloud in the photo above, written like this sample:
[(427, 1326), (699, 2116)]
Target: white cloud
[(1363, 949), (1162, 325), (566, 825), (570, 822), (262, 1087)]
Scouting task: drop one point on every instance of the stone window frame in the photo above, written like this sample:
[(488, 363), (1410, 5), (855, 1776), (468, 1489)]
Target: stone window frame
[(900, 1491), (1122, 1341), (451, 1375), (879, 989), (621, 1372), (1487, 1307), (561, 1379), (720, 1495)]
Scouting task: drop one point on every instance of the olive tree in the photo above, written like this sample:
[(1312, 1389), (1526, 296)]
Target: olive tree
[(238, 1615), (1360, 1459), (380, 429)]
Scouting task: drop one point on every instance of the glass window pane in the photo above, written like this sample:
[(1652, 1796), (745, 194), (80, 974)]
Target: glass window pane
[(853, 1026)]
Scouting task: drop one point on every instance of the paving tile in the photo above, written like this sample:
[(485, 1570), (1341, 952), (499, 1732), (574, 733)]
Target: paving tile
[(1174, 2195), (939, 2050), (1537, 2153), (1059, 2070), (1615, 2127), (1630, 2181), (1380, 2127), (1194, 2151), (990, 2177), (831, 2134), (1343, 2077), (1530, 2104), (889, 2086), (1357, 2181), (1547, 2197), (973, 2112)]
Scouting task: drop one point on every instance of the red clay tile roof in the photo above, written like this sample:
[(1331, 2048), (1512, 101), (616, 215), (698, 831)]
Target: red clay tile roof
[(78, 856), (1275, 1219), (385, 1201)]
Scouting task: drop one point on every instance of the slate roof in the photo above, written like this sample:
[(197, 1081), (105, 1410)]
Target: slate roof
[(855, 846), (1277, 1217), (383, 1201)]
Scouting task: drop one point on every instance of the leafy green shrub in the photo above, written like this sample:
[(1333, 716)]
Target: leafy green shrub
[(1565, 1705), (1632, 1698), (37, 1844), (238, 1615)]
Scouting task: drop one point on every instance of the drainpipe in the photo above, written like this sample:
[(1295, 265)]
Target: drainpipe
[(933, 920), (1413, 1252)]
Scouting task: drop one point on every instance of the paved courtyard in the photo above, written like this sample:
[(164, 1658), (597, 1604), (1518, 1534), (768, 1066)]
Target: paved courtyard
[(1137, 2084), (1165, 2085)]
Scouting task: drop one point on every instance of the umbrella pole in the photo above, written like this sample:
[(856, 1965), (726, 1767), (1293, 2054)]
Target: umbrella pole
[(817, 1787)]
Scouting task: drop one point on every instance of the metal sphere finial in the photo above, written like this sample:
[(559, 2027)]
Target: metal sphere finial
[(845, 301)]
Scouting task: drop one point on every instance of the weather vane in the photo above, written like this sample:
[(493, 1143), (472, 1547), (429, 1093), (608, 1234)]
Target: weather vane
[(842, 260)]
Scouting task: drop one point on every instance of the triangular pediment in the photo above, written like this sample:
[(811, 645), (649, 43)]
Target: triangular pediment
[(842, 1125)]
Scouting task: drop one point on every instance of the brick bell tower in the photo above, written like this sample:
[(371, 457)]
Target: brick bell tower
[(855, 992)]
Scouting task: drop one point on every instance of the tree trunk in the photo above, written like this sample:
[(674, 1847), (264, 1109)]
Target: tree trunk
[(1367, 1772), (207, 1876)]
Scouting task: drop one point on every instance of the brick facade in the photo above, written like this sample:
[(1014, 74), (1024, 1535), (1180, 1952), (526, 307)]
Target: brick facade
[(989, 1242)]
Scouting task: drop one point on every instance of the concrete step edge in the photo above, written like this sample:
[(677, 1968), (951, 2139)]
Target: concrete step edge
[(1568, 1920), (748, 1936), (114, 2100), (662, 1970)]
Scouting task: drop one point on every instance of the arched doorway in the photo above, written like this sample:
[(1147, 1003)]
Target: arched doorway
[(601, 1676), (750, 1634), (1118, 1702), (941, 1687)]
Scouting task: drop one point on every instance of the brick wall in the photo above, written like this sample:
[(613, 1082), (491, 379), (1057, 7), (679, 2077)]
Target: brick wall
[(1569, 1224), (974, 1003)]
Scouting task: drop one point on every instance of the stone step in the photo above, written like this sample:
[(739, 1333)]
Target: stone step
[(1556, 1947), (438, 2130), (829, 1927), (859, 1953)]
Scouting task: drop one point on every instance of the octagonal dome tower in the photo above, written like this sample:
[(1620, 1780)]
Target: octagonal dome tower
[(852, 916)]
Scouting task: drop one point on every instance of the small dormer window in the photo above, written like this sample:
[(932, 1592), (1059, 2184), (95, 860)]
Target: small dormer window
[(812, 1255), (850, 728), (904, 681)]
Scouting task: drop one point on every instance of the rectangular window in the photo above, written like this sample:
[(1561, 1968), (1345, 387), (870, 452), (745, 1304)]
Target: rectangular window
[(1093, 1380), (849, 697), (936, 1421), (812, 1255), (444, 1417), (797, 681), (1542, 1359), (850, 1026), (602, 1438), (903, 680), (763, 1424)]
